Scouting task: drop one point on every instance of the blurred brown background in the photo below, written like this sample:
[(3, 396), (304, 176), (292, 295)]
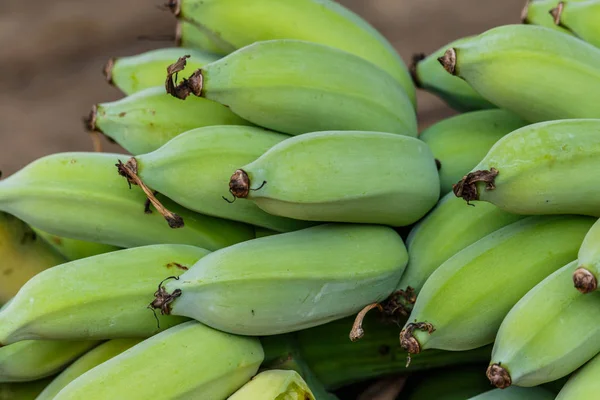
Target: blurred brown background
[(52, 54)]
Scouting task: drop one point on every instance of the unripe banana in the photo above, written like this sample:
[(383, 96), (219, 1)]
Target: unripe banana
[(459, 143), (450, 227), (427, 74), (89, 360), (23, 390), (100, 297), (538, 12), (377, 178), (306, 278), (22, 255), (462, 304), (148, 119), (239, 23), (206, 157), (73, 249), (584, 384), (295, 87), (141, 71), (274, 385), (81, 196), (516, 393), (189, 361), (549, 333), (188, 35), (536, 72), (446, 384), (29, 360), (542, 168), (585, 277)]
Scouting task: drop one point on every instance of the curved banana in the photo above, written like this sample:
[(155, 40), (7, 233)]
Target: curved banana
[(206, 157), (239, 23), (295, 87), (100, 297), (548, 334), (427, 74), (22, 255), (89, 360), (148, 119), (188, 35), (542, 168), (585, 277), (29, 360), (516, 393), (536, 72), (189, 361), (343, 176), (274, 384), (450, 227), (461, 142), (306, 278), (142, 71), (73, 249), (462, 304), (584, 384), (81, 196)]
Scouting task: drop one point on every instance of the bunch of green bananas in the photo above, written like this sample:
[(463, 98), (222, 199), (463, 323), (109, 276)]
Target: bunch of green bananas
[(276, 228)]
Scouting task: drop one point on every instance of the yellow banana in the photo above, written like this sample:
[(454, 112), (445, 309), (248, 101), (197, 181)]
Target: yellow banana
[(274, 385)]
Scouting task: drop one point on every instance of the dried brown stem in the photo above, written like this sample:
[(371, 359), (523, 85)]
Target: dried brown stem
[(409, 342), (357, 332), (467, 186), (96, 142), (192, 85), (174, 6), (525, 12), (556, 12), (448, 61), (584, 280), (107, 70), (498, 376), (416, 58)]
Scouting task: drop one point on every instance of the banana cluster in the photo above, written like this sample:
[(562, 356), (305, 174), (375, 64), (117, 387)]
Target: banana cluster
[(277, 228)]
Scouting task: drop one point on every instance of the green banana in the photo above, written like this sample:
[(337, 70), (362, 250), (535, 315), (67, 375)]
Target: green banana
[(23, 390), (73, 249), (534, 170), (29, 360), (462, 304), (515, 68), (450, 227), (308, 177), (516, 393), (206, 157), (189, 361), (427, 74), (585, 277), (148, 119), (548, 334), (584, 384), (142, 71), (190, 36), (274, 385), (295, 87), (91, 359), (81, 196), (538, 12), (306, 278), (460, 142), (446, 384), (239, 23), (100, 297), (23, 255)]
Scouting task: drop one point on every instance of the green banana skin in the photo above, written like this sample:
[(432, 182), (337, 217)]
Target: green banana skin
[(584, 383), (190, 36), (548, 334), (446, 384), (537, 12), (450, 227), (91, 359), (239, 23), (100, 297), (307, 277), (274, 385), (585, 277), (458, 308), (142, 71), (23, 255), (308, 178), (427, 74), (23, 390), (146, 120), (81, 196), (534, 170), (516, 393), (206, 157), (189, 361), (513, 67), (295, 87), (29, 360), (461, 142), (73, 249)]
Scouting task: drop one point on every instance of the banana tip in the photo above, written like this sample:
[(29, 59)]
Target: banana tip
[(584, 280), (467, 186), (448, 61), (407, 338), (174, 6), (556, 12), (416, 59), (498, 376), (90, 121), (107, 70), (239, 184), (525, 12), (179, 34)]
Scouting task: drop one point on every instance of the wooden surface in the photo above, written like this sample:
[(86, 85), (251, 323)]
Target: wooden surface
[(52, 53)]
